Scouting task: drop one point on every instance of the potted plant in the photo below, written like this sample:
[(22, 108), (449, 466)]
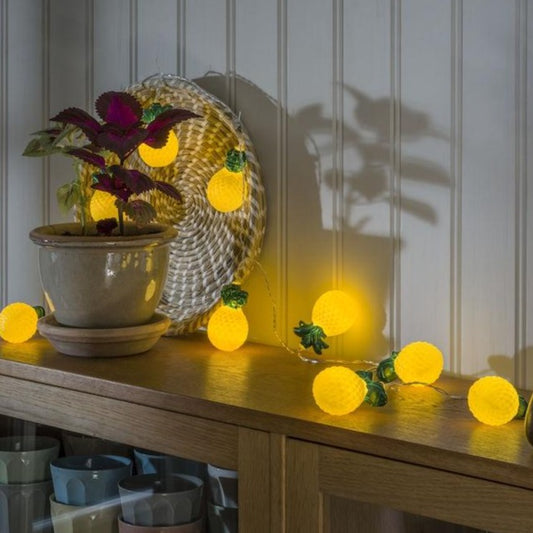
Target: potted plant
[(108, 273)]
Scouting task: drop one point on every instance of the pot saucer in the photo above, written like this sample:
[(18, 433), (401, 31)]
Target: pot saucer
[(103, 342)]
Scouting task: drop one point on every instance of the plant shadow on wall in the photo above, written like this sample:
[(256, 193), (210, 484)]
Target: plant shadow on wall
[(366, 182)]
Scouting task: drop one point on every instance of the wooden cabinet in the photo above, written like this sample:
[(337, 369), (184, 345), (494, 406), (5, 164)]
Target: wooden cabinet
[(300, 470)]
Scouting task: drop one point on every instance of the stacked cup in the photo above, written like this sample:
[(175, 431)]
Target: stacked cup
[(25, 484), (166, 495), (222, 506), (85, 498)]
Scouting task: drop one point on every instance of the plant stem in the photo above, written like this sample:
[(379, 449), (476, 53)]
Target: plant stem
[(120, 219)]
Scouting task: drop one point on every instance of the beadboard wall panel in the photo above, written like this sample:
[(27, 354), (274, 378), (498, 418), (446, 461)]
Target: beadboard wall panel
[(311, 217), (524, 371), (425, 177), (488, 187), (23, 188), (257, 80), (363, 172), (394, 138)]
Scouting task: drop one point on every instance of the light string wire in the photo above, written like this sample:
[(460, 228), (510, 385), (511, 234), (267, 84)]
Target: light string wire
[(302, 356), (301, 353)]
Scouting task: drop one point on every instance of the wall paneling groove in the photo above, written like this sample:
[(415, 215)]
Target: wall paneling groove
[(394, 138)]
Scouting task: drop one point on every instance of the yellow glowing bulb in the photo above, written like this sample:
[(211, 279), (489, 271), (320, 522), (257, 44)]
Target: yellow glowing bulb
[(337, 390), (102, 205), (334, 312), (18, 322), (225, 190), (419, 362), (160, 157), (227, 328), (493, 400)]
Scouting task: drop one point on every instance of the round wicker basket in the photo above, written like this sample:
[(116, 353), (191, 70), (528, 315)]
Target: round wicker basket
[(212, 248)]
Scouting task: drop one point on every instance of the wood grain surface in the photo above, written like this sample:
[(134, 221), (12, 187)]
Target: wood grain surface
[(268, 389)]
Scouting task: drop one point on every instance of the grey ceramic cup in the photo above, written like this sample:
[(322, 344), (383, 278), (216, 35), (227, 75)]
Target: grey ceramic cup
[(101, 518), (77, 444), (26, 459), (153, 500), (192, 527), (223, 486), (88, 479), (25, 507), (149, 462), (222, 519)]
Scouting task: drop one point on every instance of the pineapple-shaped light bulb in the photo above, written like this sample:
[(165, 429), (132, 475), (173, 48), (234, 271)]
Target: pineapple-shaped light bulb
[(337, 390), (160, 157), (416, 362), (166, 154), (494, 401), (334, 312), (226, 188), (18, 322), (227, 328), (102, 205)]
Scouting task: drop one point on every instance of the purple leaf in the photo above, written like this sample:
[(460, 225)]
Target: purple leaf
[(168, 189), (134, 180), (120, 142), (139, 211), (87, 156), (106, 226), (119, 108), (113, 186), (157, 130), (80, 118)]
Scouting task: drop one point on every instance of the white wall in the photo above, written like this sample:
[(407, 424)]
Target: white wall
[(394, 137)]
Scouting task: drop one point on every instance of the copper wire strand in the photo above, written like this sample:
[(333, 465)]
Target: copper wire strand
[(301, 353)]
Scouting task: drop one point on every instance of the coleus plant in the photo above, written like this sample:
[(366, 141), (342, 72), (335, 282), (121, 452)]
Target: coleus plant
[(107, 145)]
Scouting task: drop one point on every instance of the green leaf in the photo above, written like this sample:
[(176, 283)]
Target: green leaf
[(68, 196), (139, 211), (154, 111), (311, 335), (233, 296)]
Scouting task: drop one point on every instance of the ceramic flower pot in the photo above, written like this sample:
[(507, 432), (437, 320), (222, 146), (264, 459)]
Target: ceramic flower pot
[(103, 281)]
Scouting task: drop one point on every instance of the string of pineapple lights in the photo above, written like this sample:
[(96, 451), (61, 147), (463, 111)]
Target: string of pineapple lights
[(337, 390)]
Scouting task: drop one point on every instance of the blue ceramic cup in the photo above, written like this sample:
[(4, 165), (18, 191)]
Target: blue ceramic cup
[(149, 462), (88, 479)]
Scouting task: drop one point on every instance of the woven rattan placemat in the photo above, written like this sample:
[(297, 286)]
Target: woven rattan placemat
[(212, 248)]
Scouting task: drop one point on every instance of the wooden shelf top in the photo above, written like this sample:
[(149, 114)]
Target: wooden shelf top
[(267, 388)]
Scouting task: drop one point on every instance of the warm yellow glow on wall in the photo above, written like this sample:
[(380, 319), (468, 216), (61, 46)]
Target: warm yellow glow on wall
[(493, 400), (160, 157), (103, 206), (337, 390), (334, 311), (18, 322), (419, 362)]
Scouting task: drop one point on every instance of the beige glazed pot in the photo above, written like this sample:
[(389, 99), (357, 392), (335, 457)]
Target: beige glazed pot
[(103, 281)]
